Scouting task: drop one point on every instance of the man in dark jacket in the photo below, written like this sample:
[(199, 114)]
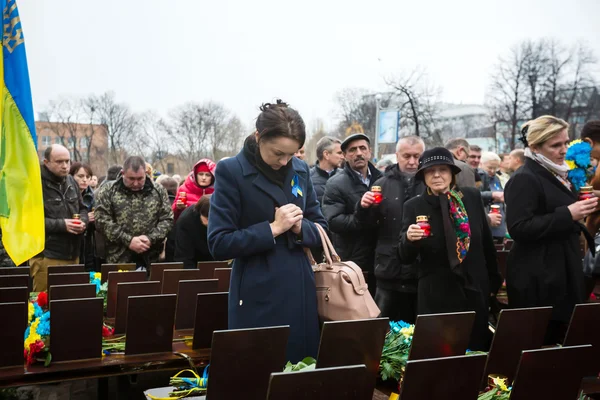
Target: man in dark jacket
[(330, 158), (396, 294), (191, 234), (62, 202), (343, 192)]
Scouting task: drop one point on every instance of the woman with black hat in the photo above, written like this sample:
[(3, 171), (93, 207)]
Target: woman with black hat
[(455, 255)]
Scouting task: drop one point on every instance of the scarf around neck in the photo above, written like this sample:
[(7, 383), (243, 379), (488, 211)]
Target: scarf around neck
[(252, 153), (561, 172), (456, 227)]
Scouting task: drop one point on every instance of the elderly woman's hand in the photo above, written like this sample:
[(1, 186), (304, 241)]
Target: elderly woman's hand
[(414, 233)]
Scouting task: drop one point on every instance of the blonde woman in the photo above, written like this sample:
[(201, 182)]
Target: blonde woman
[(543, 217)]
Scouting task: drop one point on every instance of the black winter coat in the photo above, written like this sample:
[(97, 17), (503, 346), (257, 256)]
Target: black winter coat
[(62, 199), (191, 239), (544, 267), (320, 178), (396, 188), (440, 289), (352, 240)]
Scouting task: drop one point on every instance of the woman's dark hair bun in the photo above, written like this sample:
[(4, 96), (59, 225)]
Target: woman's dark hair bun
[(280, 120), (269, 106)]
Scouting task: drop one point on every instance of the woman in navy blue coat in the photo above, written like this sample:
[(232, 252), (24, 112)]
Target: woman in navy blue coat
[(262, 215)]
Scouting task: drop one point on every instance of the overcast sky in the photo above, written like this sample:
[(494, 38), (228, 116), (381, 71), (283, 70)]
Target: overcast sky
[(159, 54)]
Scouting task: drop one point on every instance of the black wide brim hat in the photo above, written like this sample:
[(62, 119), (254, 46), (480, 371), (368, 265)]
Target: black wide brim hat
[(436, 156)]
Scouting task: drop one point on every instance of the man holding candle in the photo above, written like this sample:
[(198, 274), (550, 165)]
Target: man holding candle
[(341, 201), (396, 294), (62, 201)]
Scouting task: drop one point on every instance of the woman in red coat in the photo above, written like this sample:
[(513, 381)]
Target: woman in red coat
[(199, 182)]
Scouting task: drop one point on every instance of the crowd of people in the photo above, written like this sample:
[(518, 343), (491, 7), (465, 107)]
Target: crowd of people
[(423, 229)]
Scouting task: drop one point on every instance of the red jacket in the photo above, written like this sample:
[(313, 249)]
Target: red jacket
[(191, 188)]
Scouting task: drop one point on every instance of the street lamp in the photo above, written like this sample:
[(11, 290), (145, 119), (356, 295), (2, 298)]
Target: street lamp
[(378, 98)]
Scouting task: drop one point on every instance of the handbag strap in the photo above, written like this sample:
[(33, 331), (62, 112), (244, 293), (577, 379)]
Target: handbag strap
[(330, 254)]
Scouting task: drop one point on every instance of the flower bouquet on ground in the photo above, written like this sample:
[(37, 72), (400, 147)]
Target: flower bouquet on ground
[(395, 350), (184, 387), (496, 390), (37, 334), (101, 288)]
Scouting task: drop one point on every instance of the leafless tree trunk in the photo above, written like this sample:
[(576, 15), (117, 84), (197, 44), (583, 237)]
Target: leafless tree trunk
[(417, 101), (507, 97), (120, 123)]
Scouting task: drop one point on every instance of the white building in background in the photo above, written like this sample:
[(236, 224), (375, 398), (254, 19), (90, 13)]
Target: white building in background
[(470, 121)]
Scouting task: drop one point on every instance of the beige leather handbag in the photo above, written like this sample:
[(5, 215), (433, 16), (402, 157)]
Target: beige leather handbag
[(342, 293)]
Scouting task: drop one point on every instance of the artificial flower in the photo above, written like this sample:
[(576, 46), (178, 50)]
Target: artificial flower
[(43, 328), (30, 312), (42, 299), (37, 310), (501, 383)]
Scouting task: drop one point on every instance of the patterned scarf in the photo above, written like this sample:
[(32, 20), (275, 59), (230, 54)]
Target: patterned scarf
[(460, 220)]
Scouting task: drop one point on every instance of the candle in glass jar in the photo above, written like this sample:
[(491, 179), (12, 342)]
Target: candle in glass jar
[(77, 217), (377, 194), (423, 222), (183, 197), (586, 192), (495, 209)]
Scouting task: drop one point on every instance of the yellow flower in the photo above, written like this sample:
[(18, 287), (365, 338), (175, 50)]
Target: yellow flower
[(33, 335), (501, 383), (408, 331), (570, 164), (97, 275), (30, 312), (574, 142)]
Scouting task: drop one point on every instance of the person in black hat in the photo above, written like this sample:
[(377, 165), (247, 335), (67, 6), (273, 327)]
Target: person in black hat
[(456, 262), (343, 192)]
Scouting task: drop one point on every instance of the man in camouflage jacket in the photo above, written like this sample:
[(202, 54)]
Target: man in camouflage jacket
[(134, 215)]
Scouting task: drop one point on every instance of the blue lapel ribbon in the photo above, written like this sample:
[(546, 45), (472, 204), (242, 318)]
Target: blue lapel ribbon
[(296, 190)]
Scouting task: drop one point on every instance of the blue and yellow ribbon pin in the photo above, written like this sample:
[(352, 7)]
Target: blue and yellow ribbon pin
[(296, 191)]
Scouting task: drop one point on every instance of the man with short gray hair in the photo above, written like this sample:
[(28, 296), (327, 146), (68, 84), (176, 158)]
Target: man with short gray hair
[(329, 159), (460, 149)]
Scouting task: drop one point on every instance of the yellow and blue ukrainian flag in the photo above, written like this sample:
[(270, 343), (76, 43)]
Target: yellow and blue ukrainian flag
[(21, 200)]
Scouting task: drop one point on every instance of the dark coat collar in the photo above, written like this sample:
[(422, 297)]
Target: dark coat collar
[(279, 195), (324, 173), (375, 174), (48, 175), (538, 169)]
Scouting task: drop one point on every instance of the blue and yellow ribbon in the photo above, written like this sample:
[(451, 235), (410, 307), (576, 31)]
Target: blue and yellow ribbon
[(186, 386), (296, 190)]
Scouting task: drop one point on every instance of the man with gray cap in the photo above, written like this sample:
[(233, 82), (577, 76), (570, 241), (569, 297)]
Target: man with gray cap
[(343, 192)]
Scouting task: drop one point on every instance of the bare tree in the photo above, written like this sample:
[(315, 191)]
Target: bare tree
[(417, 100), (63, 117), (536, 63), (507, 98), (559, 62), (150, 139), (581, 76), (356, 109), (120, 123), (203, 130)]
